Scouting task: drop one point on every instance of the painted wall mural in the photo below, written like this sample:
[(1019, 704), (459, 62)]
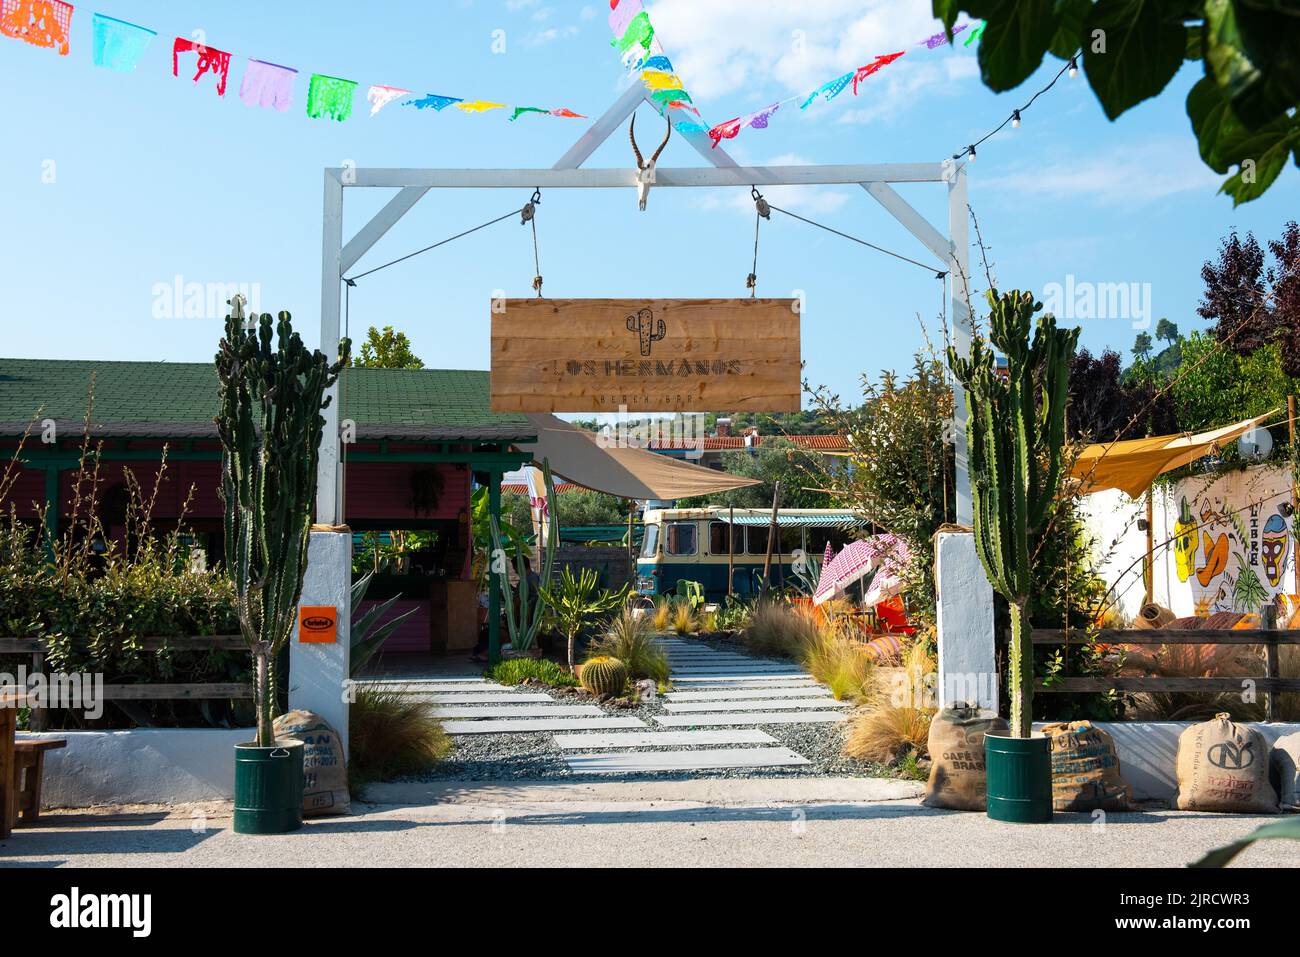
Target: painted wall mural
[(1233, 541)]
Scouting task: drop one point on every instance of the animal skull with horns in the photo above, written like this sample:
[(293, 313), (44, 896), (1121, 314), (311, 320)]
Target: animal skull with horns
[(645, 175)]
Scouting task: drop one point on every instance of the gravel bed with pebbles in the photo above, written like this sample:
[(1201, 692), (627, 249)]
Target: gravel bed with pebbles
[(534, 755)]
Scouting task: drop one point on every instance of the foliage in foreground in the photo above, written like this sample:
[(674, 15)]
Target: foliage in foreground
[(391, 735), (1222, 856), (1242, 111), (514, 671)]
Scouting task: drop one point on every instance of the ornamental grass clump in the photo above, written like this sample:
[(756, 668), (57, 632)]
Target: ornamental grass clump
[(780, 630), (391, 735), (663, 613), (841, 662), (897, 718), (685, 621), (630, 639)]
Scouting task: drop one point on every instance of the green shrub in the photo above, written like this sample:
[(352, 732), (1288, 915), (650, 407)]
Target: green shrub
[(631, 640), (513, 671), (92, 610), (391, 735)]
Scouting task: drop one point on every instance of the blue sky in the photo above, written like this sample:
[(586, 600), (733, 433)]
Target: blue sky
[(156, 178)]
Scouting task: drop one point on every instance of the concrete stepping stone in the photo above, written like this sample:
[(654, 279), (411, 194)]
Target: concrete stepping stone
[(699, 682), (521, 711), (825, 716), (725, 672), (489, 698), (649, 739), (434, 688), (632, 762), (740, 694), (774, 704), (528, 725)]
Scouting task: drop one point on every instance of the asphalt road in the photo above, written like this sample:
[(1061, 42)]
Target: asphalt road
[(674, 824)]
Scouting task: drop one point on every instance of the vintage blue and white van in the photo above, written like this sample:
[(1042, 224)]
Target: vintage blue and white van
[(700, 544)]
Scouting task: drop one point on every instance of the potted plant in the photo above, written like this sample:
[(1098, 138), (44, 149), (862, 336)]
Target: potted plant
[(270, 424), (1016, 433)]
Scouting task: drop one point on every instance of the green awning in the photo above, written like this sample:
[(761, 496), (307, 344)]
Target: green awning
[(835, 520)]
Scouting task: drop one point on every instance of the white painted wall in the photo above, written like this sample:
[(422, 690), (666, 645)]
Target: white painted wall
[(967, 664), (141, 766), (1148, 752), (318, 674)]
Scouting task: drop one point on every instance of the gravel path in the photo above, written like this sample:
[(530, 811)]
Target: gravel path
[(534, 755)]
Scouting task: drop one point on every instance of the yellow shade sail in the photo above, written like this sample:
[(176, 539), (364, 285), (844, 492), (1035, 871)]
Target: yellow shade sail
[(1133, 465)]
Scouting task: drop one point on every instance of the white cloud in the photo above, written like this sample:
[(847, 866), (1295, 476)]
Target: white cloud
[(550, 35), (723, 46), (1131, 175), (587, 13), (514, 5)]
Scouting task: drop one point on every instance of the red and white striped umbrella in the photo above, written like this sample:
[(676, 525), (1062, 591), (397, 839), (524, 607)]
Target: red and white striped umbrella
[(885, 552)]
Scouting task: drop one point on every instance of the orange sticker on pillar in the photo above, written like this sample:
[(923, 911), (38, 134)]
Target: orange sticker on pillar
[(318, 624)]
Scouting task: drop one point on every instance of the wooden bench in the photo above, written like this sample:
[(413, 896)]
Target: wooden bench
[(29, 769)]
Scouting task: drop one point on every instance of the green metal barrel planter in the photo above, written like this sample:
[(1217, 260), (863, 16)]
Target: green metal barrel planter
[(268, 788), (1019, 777)]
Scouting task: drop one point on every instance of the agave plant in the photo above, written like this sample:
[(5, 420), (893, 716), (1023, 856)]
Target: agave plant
[(367, 634)]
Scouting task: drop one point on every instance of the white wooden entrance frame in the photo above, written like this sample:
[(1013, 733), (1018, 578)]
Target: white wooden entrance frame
[(950, 252)]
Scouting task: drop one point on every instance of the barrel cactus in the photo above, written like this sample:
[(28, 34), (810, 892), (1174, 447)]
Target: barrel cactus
[(603, 676), (1016, 436)]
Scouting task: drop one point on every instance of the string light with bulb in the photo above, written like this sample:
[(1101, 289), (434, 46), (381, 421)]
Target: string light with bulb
[(1015, 118)]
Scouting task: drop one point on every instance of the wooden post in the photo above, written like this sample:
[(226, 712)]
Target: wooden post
[(631, 556), (1150, 575), (1268, 622), (1295, 495), (771, 533), (731, 549)]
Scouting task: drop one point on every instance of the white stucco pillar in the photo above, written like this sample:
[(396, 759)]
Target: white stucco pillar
[(967, 665), (319, 672)]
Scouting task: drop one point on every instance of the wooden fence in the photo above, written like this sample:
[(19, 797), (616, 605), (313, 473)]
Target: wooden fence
[(1270, 684), (146, 692)]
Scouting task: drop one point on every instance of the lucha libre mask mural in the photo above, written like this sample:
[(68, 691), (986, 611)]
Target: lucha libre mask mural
[(1273, 546)]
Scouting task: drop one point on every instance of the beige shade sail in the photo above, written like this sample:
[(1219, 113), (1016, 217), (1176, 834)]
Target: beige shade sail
[(579, 457), (1133, 465)]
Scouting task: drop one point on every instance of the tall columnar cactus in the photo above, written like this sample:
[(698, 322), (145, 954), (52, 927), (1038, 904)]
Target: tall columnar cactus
[(1016, 437), (524, 625), (647, 327), (270, 425)]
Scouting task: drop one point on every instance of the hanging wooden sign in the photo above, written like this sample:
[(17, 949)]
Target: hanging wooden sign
[(645, 355)]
